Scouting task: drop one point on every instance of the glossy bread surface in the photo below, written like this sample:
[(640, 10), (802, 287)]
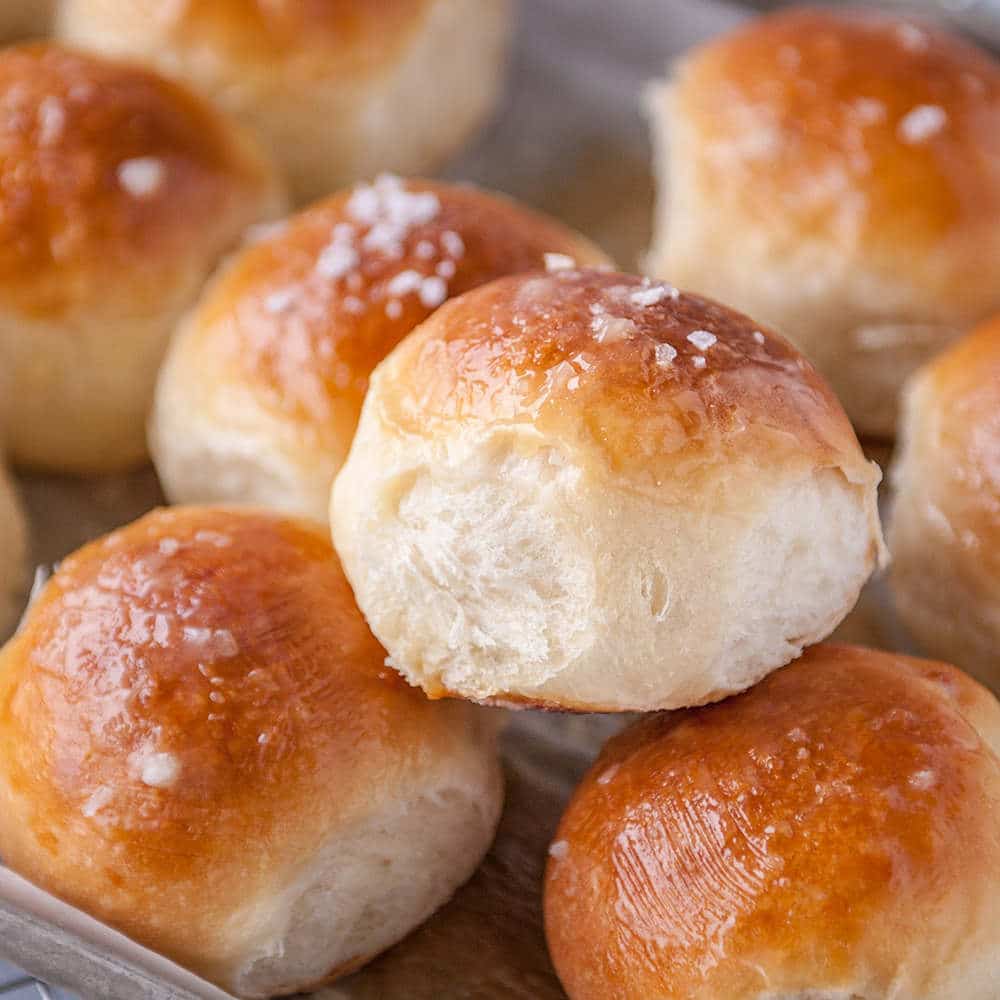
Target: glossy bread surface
[(106, 169), (646, 379), (825, 124), (833, 829), (303, 317), (191, 706)]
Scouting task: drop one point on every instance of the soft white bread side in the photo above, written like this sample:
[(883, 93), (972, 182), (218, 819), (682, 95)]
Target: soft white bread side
[(831, 834), (200, 745), (336, 90), (836, 175), (586, 491), (119, 193), (13, 552), (945, 527), (261, 391), (24, 19)]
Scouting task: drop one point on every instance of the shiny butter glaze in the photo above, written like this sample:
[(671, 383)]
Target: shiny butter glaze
[(180, 692), (71, 128), (648, 380), (802, 836), (303, 317), (823, 126)]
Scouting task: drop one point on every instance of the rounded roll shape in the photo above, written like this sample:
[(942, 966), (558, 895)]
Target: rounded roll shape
[(24, 19), (830, 834), (260, 395), (201, 746), (336, 90), (836, 175), (13, 552), (119, 192), (583, 490), (945, 527)]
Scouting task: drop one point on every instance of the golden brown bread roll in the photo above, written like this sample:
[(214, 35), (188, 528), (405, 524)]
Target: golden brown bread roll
[(336, 89), (584, 490), (945, 536), (201, 746), (838, 176), (260, 395), (832, 833), (24, 18), (119, 192), (13, 550)]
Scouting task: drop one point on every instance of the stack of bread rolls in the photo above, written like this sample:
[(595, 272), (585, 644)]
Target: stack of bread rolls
[(261, 391), (438, 458)]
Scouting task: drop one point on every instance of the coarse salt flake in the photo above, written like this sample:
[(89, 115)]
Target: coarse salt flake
[(558, 262), (97, 801), (453, 244), (433, 291), (446, 269), (280, 300), (912, 38), (160, 770), (665, 355), (559, 849), (141, 177), (652, 295), (394, 309), (758, 336), (336, 260), (698, 361), (922, 122), (702, 339), (404, 283), (869, 110), (216, 538), (611, 329), (51, 120)]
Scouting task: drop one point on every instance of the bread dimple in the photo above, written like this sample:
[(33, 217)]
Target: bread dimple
[(789, 839), (650, 381), (106, 168), (303, 317), (824, 125)]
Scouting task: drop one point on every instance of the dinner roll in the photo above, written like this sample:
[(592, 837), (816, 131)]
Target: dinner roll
[(945, 535), (119, 192), (831, 834), (24, 18), (200, 745), (260, 395), (336, 89), (13, 550), (838, 176), (583, 490)]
